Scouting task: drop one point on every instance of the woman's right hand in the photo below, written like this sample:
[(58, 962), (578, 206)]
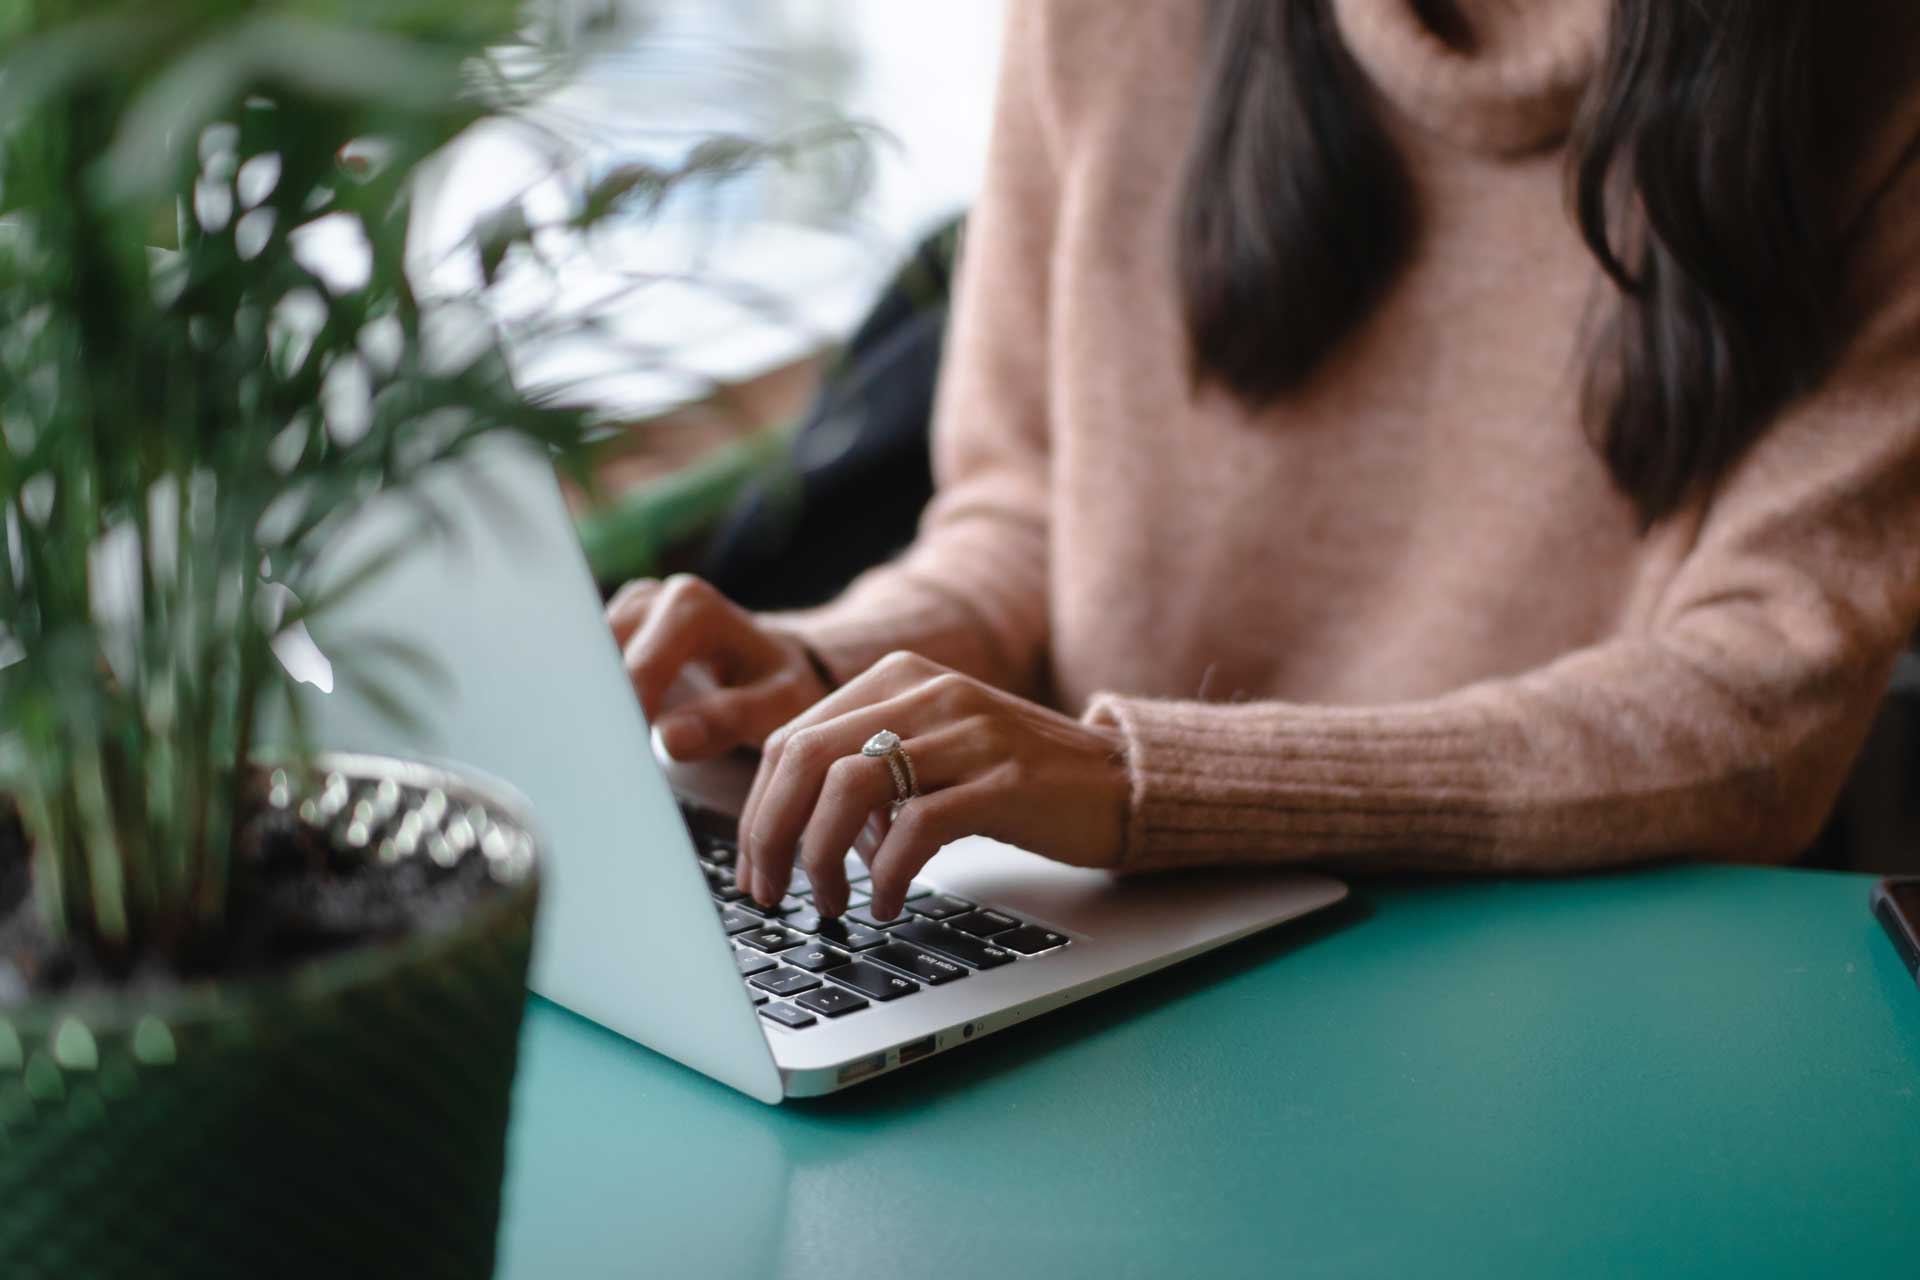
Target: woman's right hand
[(764, 677)]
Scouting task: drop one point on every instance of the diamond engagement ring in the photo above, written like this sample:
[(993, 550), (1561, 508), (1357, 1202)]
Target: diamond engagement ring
[(885, 745)]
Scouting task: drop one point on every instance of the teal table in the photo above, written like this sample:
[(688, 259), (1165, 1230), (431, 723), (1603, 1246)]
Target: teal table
[(1690, 1071)]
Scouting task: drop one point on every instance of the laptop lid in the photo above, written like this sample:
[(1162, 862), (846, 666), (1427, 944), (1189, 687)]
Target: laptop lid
[(532, 691)]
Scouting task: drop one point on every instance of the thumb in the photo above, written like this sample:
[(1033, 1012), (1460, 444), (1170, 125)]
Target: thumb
[(741, 716)]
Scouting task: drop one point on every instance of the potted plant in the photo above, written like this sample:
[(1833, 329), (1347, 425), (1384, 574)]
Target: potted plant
[(256, 1017)]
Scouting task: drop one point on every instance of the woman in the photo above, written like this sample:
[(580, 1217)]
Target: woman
[(1472, 434)]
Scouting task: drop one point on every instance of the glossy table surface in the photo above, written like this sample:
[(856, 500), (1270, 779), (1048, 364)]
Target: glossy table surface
[(1686, 1071)]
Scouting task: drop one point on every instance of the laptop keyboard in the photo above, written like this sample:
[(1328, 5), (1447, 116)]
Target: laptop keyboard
[(802, 970)]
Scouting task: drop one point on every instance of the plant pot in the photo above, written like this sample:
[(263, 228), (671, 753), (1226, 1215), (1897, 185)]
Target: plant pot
[(343, 1117)]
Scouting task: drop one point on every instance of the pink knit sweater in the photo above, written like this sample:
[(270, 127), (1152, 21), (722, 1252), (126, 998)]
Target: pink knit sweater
[(1403, 617)]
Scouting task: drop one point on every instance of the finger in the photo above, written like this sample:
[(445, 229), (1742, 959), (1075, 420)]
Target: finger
[(787, 784), (921, 829), (859, 793), (868, 841), (824, 794), (854, 788), (687, 621), (719, 721), (628, 608), (633, 589), (887, 678)]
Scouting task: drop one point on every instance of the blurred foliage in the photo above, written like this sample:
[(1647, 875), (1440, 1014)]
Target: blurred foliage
[(183, 428)]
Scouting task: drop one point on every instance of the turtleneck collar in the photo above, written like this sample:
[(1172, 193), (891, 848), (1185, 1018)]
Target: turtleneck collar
[(1506, 80)]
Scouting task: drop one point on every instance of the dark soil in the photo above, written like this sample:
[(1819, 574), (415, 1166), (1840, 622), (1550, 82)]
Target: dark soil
[(296, 898)]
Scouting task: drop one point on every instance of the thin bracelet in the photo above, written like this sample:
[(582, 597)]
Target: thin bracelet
[(819, 666)]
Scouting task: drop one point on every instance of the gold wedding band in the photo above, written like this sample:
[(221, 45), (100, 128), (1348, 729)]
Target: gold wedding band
[(885, 745)]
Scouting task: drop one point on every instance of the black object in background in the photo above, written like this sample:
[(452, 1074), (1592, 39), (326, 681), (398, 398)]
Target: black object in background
[(1896, 901), (1875, 824), (857, 474)]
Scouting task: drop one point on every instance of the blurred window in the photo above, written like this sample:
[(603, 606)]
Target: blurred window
[(880, 110)]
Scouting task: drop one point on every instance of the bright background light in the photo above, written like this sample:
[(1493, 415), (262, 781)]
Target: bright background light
[(741, 278)]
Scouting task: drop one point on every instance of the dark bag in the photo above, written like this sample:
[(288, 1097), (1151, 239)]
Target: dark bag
[(850, 490)]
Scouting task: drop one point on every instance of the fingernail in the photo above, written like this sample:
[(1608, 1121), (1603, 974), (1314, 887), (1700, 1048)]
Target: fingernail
[(683, 735)]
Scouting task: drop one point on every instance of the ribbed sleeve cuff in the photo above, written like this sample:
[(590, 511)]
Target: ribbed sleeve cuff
[(1278, 782)]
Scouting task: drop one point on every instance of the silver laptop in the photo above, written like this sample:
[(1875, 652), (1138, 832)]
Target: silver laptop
[(640, 928)]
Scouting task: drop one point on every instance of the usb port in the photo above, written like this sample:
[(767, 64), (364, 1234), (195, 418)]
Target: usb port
[(918, 1049)]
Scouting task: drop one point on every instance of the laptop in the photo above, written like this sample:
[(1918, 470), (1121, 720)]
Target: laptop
[(640, 927)]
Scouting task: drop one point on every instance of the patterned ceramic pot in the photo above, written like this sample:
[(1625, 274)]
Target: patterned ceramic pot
[(345, 1117)]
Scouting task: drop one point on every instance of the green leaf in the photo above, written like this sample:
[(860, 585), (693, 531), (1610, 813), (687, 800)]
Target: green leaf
[(392, 651), (354, 675), (197, 397), (625, 184), (329, 63), (351, 581), (499, 235)]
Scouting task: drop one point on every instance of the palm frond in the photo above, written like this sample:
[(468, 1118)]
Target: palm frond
[(174, 445)]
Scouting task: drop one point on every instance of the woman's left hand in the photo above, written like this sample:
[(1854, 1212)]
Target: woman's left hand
[(987, 763)]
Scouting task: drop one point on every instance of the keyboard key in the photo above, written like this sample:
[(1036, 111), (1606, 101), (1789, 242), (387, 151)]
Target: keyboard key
[(848, 935), (857, 872), (777, 910), (788, 1016), (832, 1001), (865, 916), (758, 997), (924, 965), (939, 906), (872, 980), (805, 920), (752, 962), (1029, 938), (721, 851), (954, 946), (918, 890), (736, 921), (813, 957), (786, 982), (983, 923), (771, 938), (857, 895)]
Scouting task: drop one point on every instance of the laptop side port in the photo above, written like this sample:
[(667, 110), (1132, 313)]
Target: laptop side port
[(862, 1069), (917, 1050)]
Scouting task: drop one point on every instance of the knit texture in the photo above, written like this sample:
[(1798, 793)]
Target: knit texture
[(1402, 617)]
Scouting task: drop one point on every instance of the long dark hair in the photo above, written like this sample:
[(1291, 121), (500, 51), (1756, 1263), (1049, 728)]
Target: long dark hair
[(1692, 176)]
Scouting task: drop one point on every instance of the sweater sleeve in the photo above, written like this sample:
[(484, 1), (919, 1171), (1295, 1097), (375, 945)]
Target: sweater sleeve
[(1719, 723), (971, 592)]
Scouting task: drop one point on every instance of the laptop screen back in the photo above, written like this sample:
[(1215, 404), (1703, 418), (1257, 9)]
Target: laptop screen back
[(531, 690)]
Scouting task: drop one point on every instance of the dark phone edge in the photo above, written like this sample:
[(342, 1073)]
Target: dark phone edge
[(1904, 933)]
